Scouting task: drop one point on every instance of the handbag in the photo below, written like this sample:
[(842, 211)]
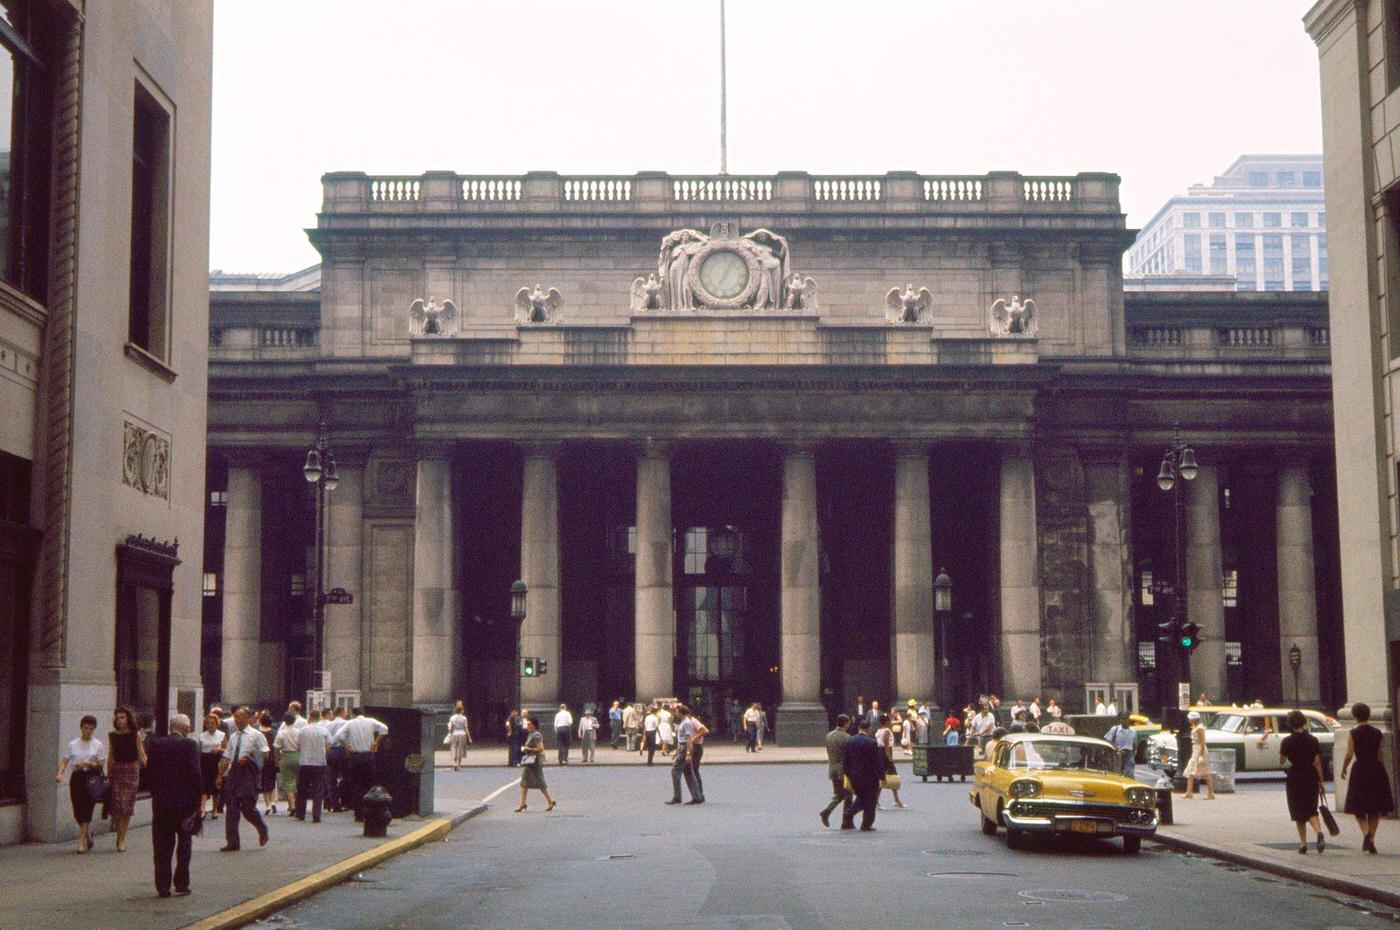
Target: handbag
[(98, 786), (890, 782), (1330, 821)]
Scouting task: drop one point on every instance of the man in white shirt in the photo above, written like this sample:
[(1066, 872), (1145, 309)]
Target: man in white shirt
[(563, 731), (1112, 709), (649, 724), (688, 752), (294, 708), (314, 740), (983, 723), (238, 776), (361, 736), (631, 724)]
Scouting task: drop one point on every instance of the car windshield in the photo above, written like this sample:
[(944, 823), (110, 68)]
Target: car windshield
[(1055, 754), (1237, 723)]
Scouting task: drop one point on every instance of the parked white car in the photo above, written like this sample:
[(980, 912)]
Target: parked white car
[(1254, 733)]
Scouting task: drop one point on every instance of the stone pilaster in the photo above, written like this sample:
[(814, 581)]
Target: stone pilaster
[(1113, 638), (242, 586), (801, 717), (539, 568), (1020, 577), (344, 548), (1203, 583), (1297, 583), (436, 602), (914, 644), (655, 601)]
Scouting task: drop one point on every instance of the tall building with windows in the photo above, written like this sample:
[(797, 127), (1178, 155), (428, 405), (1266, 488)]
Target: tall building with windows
[(104, 226), (1262, 224)]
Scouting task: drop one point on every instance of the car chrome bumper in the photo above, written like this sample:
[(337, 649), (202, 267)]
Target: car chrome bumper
[(1039, 822)]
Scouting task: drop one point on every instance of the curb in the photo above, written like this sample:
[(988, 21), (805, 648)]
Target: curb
[(1348, 886), (241, 915)]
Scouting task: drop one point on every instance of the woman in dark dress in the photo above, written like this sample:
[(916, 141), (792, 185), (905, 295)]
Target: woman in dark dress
[(1302, 754), (126, 755), (267, 777), (532, 764), (1368, 790)]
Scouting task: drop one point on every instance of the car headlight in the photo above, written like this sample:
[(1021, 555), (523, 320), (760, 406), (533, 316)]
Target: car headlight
[(1141, 797), (1025, 788)]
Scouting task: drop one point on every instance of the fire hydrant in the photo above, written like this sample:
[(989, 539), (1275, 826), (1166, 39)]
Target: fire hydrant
[(375, 805)]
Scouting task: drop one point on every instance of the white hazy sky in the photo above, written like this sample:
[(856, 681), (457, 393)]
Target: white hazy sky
[(1165, 93)]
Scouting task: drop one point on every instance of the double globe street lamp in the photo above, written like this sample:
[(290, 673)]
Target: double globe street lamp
[(1178, 462), (320, 471), (518, 592), (942, 611)]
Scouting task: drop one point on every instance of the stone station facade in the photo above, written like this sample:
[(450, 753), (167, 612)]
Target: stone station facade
[(742, 481)]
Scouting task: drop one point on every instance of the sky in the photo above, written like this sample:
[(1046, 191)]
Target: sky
[(1164, 93)]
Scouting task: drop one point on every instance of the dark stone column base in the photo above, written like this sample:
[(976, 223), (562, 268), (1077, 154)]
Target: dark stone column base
[(801, 724)]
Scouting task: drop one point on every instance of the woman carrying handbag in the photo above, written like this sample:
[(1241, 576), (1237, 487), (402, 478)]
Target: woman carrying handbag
[(1304, 786), (884, 738), (87, 785), (532, 764)]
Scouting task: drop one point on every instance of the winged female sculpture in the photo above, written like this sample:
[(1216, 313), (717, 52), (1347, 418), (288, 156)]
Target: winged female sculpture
[(537, 306), (429, 318), (907, 306), (1014, 319)]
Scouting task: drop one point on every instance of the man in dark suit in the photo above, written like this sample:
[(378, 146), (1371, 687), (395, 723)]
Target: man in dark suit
[(836, 742), (173, 764), (864, 765)]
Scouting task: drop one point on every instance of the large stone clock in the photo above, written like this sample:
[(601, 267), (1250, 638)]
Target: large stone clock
[(723, 275)]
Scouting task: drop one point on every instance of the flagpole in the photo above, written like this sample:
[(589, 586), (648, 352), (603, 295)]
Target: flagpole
[(723, 99)]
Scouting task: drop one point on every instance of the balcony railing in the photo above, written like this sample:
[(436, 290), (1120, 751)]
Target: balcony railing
[(447, 192)]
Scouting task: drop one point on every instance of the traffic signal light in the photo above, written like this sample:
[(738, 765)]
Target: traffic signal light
[(1169, 632), (528, 667), (541, 666), (1189, 636)]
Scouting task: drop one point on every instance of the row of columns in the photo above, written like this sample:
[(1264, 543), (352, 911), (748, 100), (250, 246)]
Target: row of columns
[(436, 607)]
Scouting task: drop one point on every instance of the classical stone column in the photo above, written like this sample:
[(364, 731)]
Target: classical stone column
[(344, 535), (1297, 583), (539, 568), (242, 585), (1114, 641), (1020, 577), (914, 644), (1203, 583), (801, 716), (436, 602), (655, 604)]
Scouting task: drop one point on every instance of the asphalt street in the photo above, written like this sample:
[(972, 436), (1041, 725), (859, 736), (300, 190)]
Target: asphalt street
[(754, 857)]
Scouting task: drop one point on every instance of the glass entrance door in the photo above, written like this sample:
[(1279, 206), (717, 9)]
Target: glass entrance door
[(710, 647)]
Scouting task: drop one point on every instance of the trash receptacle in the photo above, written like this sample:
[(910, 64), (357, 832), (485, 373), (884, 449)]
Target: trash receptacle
[(943, 761), (1222, 770), (404, 763)]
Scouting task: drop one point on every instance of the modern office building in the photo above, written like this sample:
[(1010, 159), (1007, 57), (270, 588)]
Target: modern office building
[(731, 430), (104, 226), (1359, 52), (1262, 223)]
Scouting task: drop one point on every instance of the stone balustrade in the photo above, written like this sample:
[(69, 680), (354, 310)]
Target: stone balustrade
[(1243, 326), (649, 191)]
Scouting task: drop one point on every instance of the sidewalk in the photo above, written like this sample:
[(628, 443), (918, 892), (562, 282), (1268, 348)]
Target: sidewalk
[(52, 887), (1251, 827), (493, 755)]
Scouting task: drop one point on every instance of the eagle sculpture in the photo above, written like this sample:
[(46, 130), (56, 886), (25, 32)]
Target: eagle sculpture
[(1013, 319), (537, 306), (907, 306), (429, 318), (646, 293)]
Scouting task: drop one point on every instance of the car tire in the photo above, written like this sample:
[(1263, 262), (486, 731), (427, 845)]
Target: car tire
[(989, 826), (1131, 845), (1015, 839)]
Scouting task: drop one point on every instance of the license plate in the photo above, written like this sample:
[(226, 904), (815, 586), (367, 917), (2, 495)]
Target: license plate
[(1086, 826)]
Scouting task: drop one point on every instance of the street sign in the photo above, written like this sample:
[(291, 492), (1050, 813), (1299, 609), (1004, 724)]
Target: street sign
[(1162, 587), (339, 596), (1183, 695)]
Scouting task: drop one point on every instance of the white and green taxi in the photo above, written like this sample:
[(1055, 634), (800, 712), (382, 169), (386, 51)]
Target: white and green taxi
[(1253, 733)]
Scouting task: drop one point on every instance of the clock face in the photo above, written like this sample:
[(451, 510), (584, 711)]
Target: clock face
[(724, 274)]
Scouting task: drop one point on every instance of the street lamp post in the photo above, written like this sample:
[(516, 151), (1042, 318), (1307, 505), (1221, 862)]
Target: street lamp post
[(1295, 662), (320, 471), (1178, 461), (942, 610), (517, 613)]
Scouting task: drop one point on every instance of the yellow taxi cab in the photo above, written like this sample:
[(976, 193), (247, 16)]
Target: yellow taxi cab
[(1052, 783)]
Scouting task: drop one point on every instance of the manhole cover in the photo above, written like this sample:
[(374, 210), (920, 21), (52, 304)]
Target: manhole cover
[(972, 873), (1071, 896), (955, 852)]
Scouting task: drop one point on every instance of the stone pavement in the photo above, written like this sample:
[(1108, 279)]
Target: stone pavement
[(716, 753), (53, 887), (1251, 827)]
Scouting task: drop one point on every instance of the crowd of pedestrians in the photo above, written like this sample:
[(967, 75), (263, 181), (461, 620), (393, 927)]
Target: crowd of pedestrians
[(234, 765)]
